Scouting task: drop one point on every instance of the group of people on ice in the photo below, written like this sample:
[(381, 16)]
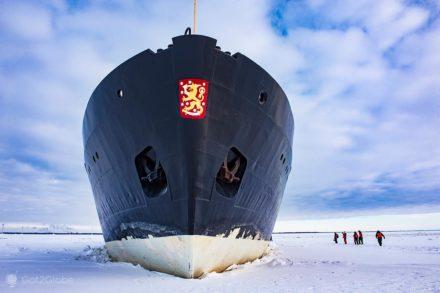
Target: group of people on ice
[(358, 237)]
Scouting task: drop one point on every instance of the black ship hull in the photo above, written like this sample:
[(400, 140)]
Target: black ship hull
[(157, 172)]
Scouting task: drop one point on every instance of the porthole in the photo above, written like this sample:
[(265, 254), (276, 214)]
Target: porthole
[(262, 98), (120, 93)]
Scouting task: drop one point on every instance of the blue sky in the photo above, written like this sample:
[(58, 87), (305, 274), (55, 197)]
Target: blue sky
[(362, 77)]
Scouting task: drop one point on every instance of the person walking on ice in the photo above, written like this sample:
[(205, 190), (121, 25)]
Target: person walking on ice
[(355, 238), (360, 237), (335, 238), (344, 236), (379, 237)]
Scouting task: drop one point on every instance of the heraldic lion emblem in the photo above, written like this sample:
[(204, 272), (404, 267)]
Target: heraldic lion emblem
[(193, 98)]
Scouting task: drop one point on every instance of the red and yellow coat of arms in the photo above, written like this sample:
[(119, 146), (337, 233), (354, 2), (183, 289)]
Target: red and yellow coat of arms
[(193, 98)]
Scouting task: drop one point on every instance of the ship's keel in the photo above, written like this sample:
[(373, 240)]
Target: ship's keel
[(187, 256)]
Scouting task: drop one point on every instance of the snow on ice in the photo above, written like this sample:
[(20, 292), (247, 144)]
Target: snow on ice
[(408, 262)]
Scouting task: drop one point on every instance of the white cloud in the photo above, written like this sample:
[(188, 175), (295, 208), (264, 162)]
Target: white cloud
[(25, 20), (359, 114), (30, 193)]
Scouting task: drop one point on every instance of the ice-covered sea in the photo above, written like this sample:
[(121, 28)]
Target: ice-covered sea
[(408, 262)]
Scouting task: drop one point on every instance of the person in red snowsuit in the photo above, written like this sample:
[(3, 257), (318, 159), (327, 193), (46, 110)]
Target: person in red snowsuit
[(335, 238), (355, 238), (379, 237), (360, 237), (344, 236)]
